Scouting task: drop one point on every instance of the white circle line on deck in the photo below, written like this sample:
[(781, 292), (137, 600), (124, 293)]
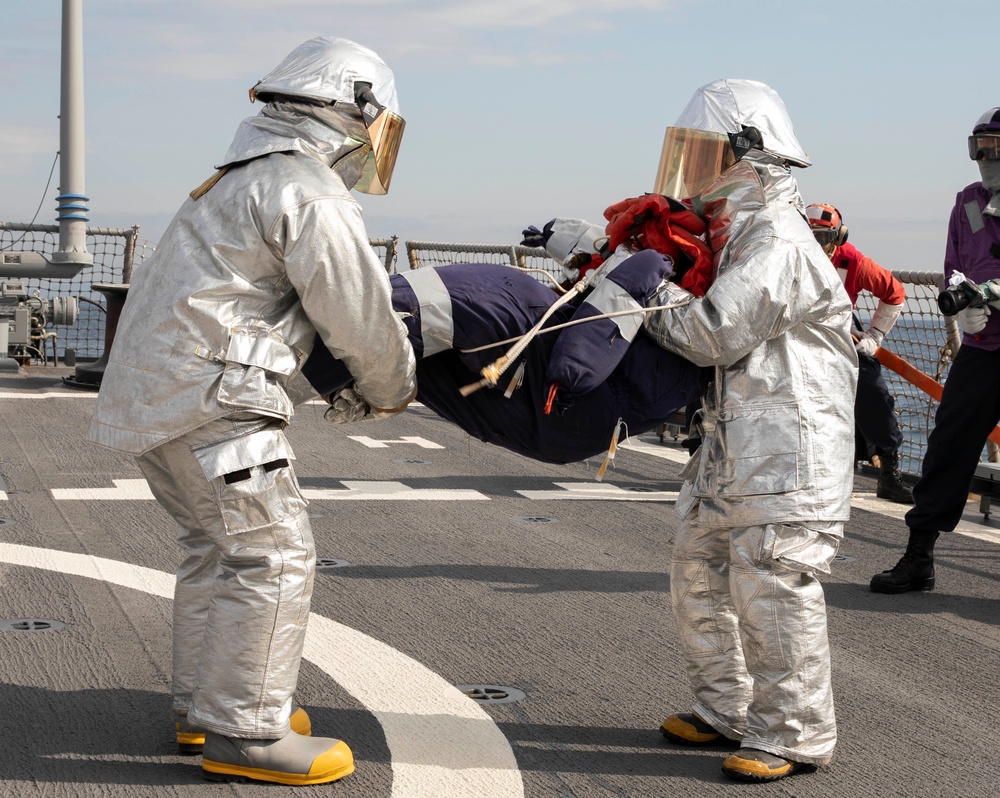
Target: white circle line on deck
[(33, 394), (442, 744)]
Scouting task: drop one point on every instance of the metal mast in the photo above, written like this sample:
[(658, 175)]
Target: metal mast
[(72, 199)]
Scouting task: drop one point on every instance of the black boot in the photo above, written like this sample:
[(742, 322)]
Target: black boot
[(915, 569), (890, 484)]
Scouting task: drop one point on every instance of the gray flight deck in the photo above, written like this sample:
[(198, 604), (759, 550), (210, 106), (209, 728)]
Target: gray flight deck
[(458, 565)]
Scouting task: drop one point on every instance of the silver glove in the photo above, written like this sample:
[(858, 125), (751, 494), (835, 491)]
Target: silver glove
[(348, 406)]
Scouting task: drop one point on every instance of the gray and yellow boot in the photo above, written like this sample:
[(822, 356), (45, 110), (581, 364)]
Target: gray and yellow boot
[(191, 739), (686, 728), (890, 484), (293, 759), (749, 764)]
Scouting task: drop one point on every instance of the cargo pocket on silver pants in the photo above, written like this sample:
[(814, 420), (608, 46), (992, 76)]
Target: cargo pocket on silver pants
[(802, 548), (253, 480)]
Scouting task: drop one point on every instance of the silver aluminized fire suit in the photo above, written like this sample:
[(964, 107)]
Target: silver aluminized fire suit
[(204, 374), (765, 497)]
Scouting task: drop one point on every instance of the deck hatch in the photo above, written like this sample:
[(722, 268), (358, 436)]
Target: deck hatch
[(491, 693), (30, 625)]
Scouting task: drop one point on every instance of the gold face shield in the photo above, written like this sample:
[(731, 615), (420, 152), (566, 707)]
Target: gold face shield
[(385, 132), (691, 160)]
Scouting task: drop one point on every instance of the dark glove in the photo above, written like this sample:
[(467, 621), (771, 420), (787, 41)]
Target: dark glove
[(533, 237)]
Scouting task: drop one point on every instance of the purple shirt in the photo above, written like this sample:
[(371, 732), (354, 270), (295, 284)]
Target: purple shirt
[(971, 236)]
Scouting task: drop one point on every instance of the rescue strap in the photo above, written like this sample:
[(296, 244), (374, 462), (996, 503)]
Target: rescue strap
[(492, 372), (613, 449), (571, 323), (551, 398)]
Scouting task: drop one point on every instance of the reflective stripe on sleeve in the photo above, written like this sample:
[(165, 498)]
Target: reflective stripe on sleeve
[(609, 297), (437, 323)]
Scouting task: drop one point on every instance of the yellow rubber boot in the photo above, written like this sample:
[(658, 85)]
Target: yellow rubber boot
[(686, 728), (749, 764), (293, 759)]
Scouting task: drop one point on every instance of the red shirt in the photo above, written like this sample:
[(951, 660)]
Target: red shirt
[(863, 274)]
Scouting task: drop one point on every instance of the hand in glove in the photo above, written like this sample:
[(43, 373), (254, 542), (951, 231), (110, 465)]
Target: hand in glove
[(972, 320), (533, 237), (992, 289), (868, 342), (348, 406)]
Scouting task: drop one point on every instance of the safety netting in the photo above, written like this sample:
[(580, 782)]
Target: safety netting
[(534, 260), (114, 250), (926, 340)]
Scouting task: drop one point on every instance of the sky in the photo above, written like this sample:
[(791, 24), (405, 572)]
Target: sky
[(517, 111)]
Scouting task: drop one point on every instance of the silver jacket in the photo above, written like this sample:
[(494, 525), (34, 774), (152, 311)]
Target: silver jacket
[(778, 419), (222, 317)]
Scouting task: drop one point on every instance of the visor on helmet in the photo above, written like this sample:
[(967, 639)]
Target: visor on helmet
[(825, 236), (691, 160), (385, 132), (984, 147)]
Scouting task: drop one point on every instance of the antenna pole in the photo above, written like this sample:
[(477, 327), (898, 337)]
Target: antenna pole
[(72, 209)]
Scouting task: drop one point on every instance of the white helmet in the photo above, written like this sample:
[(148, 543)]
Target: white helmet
[(721, 122), (331, 70), (325, 70)]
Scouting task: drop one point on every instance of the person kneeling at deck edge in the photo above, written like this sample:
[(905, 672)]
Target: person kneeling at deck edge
[(766, 495), (203, 376)]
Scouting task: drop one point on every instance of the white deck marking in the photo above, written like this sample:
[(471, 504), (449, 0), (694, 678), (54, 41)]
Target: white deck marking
[(372, 443), (124, 490), (84, 393), (138, 490), (43, 394), (442, 744), (391, 491), (972, 523), (599, 491), (674, 455)]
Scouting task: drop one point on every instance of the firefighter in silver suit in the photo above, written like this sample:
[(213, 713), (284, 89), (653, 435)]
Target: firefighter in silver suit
[(204, 374), (765, 497)]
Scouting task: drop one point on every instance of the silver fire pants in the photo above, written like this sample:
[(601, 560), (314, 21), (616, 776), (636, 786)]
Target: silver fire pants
[(243, 589), (751, 619)]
